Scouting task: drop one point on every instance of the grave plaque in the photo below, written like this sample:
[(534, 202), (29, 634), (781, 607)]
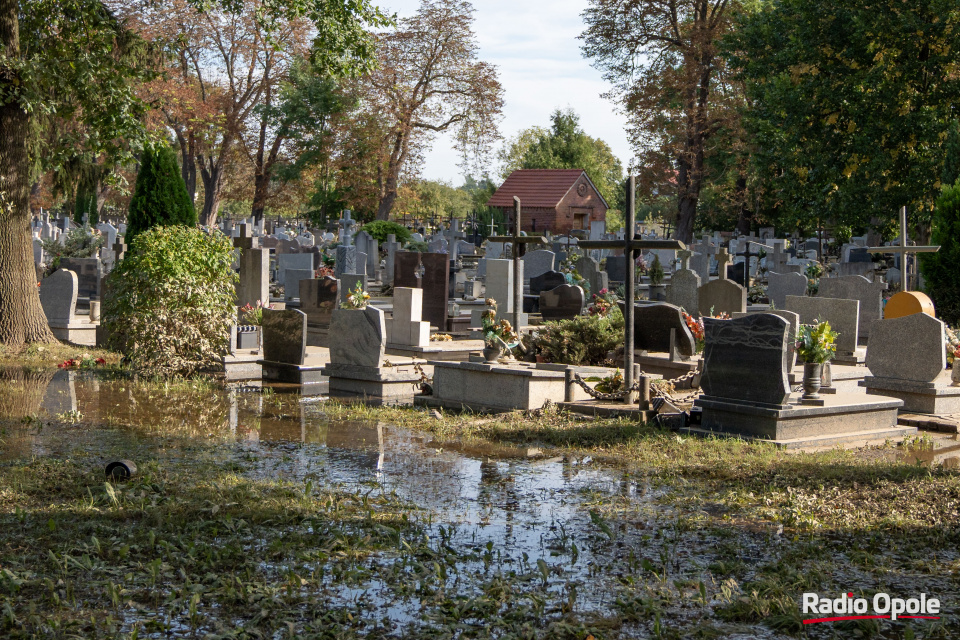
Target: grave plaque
[(781, 285), (653, 323), (561, 303), (284, 336), (841, 314), (538, 262), (58, 296), (435, 282), (616, 268), (318, 297), (745, 359), (908, 348)]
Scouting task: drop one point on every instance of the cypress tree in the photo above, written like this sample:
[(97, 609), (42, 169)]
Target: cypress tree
[(160, 197)]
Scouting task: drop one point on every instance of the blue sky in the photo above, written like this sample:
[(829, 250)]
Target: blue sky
[(534, 45)]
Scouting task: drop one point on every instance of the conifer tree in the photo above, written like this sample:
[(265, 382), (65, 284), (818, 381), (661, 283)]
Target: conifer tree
[(160, 196)]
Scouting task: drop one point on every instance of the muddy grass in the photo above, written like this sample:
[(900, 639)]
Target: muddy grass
[(257, 515)]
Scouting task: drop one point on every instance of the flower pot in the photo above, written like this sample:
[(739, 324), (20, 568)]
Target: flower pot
[(955, 373), (492, 353), (811, 380), (248, 338)]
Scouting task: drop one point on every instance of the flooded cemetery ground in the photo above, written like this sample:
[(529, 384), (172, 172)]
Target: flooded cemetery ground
[(256, 513)]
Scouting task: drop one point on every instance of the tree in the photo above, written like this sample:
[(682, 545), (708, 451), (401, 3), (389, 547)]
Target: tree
[(850, 105), (663, 60), (85, 70), (160, 197), (566, 146), (940, 269), (429, 81)]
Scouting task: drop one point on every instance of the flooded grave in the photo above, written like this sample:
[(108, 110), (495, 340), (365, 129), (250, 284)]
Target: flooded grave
[(258, 510)]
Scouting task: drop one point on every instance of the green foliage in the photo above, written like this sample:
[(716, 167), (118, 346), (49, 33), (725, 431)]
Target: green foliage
[(584, 340), (655, 272), (941, 270), (160, 197), (169, 302), (850, 104), (816, 342), (380, 229), (417, 247), (357, 299), (951, 163), (441, 199), (566, 146), (81, 242)]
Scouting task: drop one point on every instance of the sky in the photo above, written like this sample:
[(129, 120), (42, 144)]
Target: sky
[(534, 45)]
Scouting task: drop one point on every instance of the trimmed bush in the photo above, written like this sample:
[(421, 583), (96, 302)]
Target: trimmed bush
[(160, 197), (380, 229), (941, 270), (169, 303), (584, 340)]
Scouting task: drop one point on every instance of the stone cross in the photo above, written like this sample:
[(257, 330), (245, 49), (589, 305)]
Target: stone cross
[(904, 250), (519, 244), (629, 245), (722, 259), (684, 255), (246, 239)]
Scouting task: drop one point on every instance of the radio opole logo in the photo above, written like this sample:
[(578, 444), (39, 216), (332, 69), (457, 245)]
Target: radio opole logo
[(881, 607)]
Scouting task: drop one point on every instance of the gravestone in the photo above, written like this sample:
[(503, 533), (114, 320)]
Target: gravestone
[(700, 264), (721, 296), (870, 295), (392, 247), (407, 328), (781, 285), (284, 336), (561, 303), (254, 282), (58, 297), (745, 360), (437, 244), (500, 286), (683, 290), (494, 250), (346, 260), (843, 316), (292, 278), (589, 270), (652, 325), (358, 337), (793, 319), (910, 348), (537, 262), (616, 268), (290, 262), (435, 282), (546, 281), (89, 274), (737, 273), (318, 298)]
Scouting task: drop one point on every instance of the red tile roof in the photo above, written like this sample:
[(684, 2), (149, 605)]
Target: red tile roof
[(536, 187)]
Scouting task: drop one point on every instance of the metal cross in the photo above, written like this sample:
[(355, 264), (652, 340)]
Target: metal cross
[(904, 250), (519, 245), (747, 255), (630, 244)]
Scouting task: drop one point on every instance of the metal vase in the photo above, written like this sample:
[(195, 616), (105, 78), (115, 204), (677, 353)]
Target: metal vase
[(811, 380), (492, 353)]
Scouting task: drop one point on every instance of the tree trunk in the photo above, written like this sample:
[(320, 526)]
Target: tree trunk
[(212, 175), (21, 316)]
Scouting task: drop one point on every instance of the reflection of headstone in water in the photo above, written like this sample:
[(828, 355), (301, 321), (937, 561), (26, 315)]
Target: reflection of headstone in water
[(23, 392), (61, 395)]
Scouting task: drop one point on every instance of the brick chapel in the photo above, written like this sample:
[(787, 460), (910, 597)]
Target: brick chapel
[(555, 200)]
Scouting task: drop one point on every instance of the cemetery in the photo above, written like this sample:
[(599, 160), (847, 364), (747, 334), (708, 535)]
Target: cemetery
[(314, 394)]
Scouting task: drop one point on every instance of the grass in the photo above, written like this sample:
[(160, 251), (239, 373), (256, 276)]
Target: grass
[(675, 537)]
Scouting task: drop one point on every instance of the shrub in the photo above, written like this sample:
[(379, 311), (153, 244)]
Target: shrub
[(81, 242), (380, 229), (169, 303), (584, 340), (160, 196), (940, 272)]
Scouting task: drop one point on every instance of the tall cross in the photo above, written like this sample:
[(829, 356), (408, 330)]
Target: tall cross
[(746, 257), (246, 239), (630, 244), (519, 245), (904, 250), (722, 259)]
